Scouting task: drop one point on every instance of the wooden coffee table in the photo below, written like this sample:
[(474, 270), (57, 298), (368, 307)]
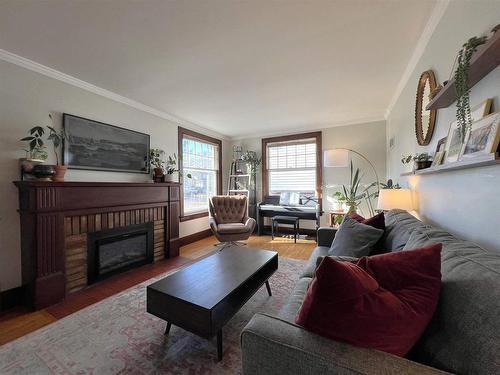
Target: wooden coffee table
[(204, 296)]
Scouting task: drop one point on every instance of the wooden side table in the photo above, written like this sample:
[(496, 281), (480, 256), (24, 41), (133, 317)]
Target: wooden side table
[(334, 214)]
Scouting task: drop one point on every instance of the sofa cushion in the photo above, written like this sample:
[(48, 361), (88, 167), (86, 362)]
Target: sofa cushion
[(463, 335), (382, 302), (399, 225), (377, 221), (290, 309), (354, 239), (231, 228), (310, 267)]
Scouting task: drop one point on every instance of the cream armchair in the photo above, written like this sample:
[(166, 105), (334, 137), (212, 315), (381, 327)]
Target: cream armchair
[(228, 217)]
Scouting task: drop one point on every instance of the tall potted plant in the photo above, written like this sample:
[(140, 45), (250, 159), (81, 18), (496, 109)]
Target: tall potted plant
[(57, 138)]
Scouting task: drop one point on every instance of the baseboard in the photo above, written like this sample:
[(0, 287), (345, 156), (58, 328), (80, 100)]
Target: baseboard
[(186, 240), (11, 298)]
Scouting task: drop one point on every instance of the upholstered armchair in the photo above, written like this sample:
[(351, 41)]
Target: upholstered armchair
[(229, 218)]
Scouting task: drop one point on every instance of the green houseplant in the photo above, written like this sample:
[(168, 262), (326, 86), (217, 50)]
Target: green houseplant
[(351, 194), (462, 83), (421, 161), (157, 161), (35, 149), (172, 167)]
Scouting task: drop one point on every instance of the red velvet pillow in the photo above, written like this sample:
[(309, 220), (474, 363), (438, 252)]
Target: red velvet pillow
[(382, 302), (377, 221)]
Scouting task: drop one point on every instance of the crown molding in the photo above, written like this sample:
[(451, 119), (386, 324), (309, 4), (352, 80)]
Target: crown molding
[(358, 121), (73, 81), (430, 27)]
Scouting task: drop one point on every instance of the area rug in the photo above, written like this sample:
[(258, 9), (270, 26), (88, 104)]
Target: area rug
[(118, 336)]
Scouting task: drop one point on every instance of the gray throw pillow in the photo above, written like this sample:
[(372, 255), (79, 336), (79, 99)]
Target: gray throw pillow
[(354, 239)]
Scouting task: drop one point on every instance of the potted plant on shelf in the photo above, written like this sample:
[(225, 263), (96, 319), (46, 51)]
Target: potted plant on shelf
[(35, 150), (171, 168), (57, 139), (157, 161), (421, 161)]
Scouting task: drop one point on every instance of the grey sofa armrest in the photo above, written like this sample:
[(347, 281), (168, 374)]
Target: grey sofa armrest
[(325, 236), (270, 345)]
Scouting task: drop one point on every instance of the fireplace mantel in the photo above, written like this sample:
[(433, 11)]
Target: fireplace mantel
[(52, 213)]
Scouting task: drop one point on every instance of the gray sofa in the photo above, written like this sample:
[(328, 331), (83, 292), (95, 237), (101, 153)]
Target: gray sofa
[(463, 337)]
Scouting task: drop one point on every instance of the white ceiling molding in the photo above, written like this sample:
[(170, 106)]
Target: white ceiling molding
[(437, 14), (357, 121), (70, 80)]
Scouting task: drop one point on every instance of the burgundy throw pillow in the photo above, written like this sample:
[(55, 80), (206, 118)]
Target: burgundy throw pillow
[(377, 221), (382, 302)]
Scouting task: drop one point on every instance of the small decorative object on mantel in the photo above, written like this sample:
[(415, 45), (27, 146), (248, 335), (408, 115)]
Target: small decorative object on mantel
[(44, 172), (454, 141), (421, 161), (425, 120), (57, 138), (157, 161), (483, 137), (35, 151)]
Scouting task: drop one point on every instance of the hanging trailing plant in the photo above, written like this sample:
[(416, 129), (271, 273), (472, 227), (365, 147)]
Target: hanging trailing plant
[(462, 83)]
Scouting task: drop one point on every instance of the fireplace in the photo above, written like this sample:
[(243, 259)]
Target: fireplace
[(116, 250)]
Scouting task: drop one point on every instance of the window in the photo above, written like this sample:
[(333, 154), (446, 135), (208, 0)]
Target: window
[(200, 157), (291, 163)]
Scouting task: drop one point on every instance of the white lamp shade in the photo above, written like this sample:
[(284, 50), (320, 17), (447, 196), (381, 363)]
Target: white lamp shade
[(389, 199), (336, 158)]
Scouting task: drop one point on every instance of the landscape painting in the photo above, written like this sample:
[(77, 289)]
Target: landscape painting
[(97, 146)]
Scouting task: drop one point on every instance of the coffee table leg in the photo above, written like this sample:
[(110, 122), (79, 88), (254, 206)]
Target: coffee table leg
[(167, 330), (219, 345), (268, 288)]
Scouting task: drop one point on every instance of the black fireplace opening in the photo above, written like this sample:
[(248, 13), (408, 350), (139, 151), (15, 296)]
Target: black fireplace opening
[(116, 250)]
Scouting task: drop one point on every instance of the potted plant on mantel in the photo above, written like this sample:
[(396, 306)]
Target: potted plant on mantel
[(156, 160), (57, 139), (35, 151), (421, 161), (171, 168)]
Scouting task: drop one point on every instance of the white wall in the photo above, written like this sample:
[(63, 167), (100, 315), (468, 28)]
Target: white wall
[(26, 98), (464, 202), (369, 139)]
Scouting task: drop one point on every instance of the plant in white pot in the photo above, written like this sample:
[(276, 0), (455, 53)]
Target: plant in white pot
[(57, 138), (35, 150), (171, 166)]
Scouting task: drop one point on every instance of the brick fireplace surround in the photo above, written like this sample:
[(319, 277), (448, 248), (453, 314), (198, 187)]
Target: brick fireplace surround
[(56, 218)]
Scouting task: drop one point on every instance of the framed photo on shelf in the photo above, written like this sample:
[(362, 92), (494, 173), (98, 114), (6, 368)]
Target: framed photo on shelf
[(438, 158), (483, 137), (454, 144)]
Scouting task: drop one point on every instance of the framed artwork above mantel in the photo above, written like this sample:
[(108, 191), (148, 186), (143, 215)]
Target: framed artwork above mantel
[(94, 145)]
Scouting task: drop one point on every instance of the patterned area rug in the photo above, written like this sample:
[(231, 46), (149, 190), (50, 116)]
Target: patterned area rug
[(118, 336)]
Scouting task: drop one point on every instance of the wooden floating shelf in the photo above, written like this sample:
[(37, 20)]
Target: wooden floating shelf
[(480, 161), (484, 60)]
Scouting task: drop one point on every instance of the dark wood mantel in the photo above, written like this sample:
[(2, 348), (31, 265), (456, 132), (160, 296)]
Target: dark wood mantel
[(46, 207)]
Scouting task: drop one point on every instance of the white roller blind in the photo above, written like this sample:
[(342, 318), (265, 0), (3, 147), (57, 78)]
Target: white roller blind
[(292, 166)]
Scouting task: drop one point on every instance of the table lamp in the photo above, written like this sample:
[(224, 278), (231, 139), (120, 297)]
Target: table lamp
[(389, 199)]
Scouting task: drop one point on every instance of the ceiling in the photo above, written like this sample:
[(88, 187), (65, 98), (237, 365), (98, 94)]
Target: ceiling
[(240, 68)]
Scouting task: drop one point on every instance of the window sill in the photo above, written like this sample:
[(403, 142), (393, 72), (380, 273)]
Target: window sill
[(193, 216)]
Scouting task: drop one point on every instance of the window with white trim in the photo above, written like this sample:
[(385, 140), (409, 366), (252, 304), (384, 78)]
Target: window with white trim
[(291, 166), (200, 159)]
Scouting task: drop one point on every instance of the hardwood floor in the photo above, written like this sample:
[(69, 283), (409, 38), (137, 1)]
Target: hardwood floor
[(19, 322)]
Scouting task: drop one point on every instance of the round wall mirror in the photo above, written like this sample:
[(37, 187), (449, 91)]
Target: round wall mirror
[(425, 119)]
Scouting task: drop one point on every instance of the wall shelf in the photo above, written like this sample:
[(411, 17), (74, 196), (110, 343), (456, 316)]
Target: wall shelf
[(480, 161), (484, 60)]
